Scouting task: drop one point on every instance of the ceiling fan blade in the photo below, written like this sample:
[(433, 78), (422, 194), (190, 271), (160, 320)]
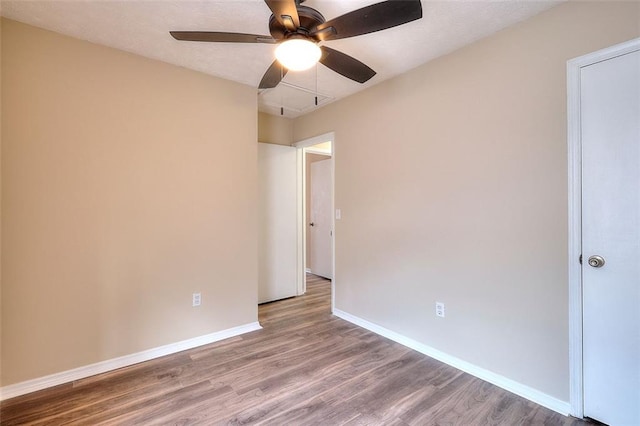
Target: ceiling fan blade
[(345, 65), (273, 76), (221, 37), (285, 12), (369, 19)]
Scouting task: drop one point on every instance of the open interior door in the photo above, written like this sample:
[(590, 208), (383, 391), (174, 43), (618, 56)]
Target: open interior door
[(277, 239)]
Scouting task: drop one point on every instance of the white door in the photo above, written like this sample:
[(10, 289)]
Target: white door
[(277, 215), (610, 117), (320, 227)]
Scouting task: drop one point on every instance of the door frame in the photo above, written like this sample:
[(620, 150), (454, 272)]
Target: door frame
[(302, 146), (574, 145)]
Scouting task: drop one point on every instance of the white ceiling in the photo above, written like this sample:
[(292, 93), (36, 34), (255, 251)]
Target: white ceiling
[(142, 27)]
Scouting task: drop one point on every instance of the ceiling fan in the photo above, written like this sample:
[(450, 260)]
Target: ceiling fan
[(298, 30)]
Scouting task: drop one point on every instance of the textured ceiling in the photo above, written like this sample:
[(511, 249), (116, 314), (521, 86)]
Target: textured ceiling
[(142, 27)]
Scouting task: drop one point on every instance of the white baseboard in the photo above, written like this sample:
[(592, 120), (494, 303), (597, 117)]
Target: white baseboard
[(307, 270), (40, 383), (524, 391)]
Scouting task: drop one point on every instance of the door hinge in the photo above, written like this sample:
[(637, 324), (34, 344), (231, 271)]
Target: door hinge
[(580, 259)]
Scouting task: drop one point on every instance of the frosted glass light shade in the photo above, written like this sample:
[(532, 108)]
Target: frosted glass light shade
[(298, 54)]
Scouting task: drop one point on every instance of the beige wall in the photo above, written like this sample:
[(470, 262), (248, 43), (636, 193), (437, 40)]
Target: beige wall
[(128, 184), (452, 184), (275, 129), (0, 200)]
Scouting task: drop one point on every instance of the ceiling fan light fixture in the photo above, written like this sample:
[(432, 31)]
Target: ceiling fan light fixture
[(298, 54)]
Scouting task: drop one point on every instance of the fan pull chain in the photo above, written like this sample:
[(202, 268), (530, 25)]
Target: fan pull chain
[(281, 101), (316, 84)]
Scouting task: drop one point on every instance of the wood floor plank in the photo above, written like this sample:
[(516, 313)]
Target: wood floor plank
[(305, 367), (316, 381)]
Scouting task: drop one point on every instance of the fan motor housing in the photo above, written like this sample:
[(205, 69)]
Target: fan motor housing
[(309, 19)]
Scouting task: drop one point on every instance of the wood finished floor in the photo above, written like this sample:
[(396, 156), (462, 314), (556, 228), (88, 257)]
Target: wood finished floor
[(305, 367)]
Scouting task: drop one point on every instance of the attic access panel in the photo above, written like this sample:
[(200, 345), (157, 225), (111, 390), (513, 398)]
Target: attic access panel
[(295, 100)]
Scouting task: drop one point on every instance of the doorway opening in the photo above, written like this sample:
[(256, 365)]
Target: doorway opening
[(316, 224)]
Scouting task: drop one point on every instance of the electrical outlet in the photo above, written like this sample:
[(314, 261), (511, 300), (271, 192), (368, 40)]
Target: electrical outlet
[(197, 299), (440, 309)]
